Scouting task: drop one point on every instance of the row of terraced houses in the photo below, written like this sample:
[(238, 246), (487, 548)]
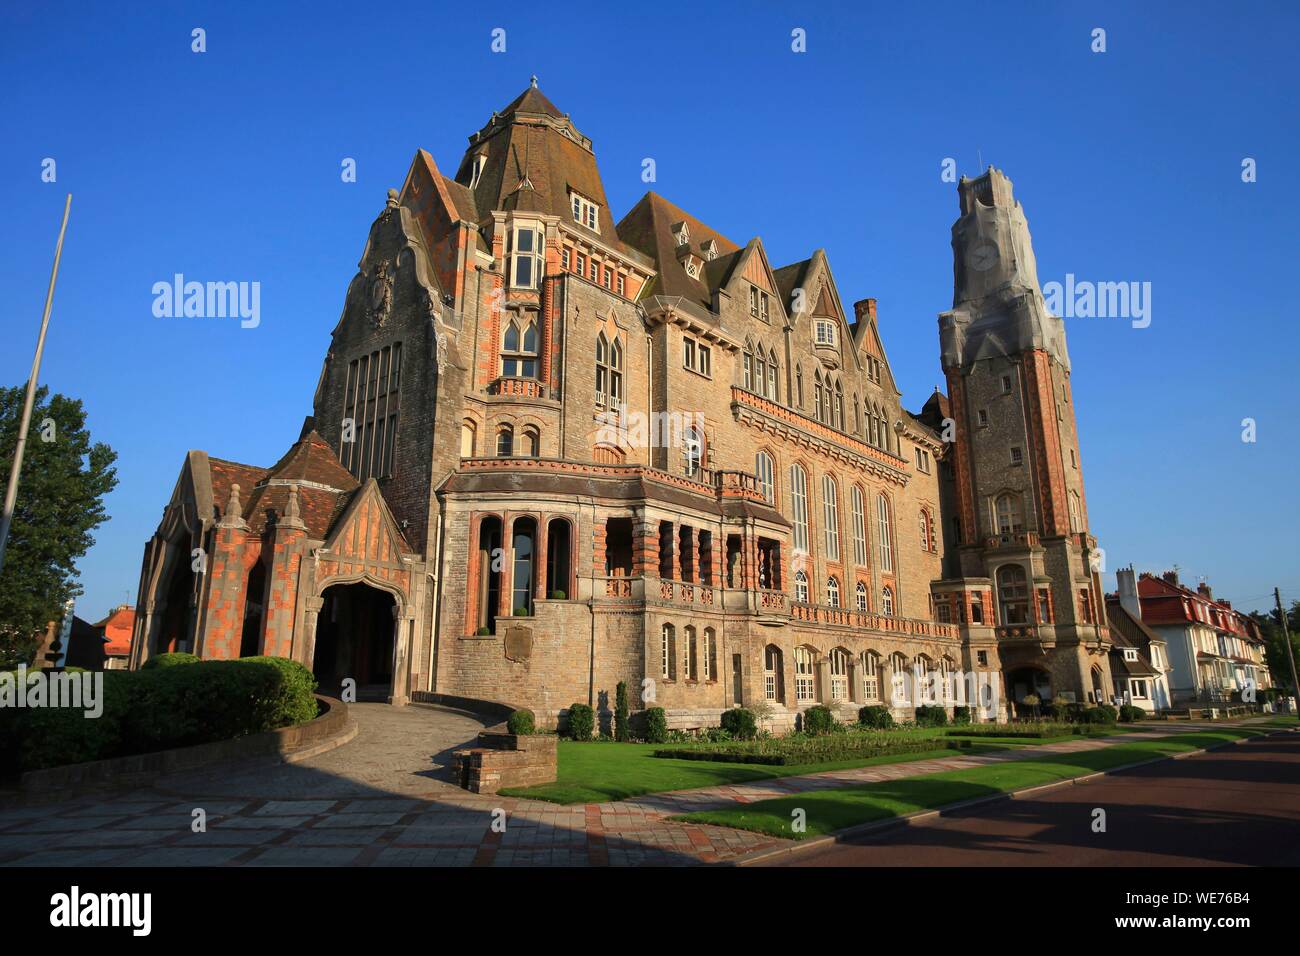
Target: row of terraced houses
[(552, 451)]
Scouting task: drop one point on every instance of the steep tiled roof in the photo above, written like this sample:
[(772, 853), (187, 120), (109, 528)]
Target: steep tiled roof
[(324, 488), (1127, 631), (533, 158), (791, 277), (226, 473), (648, 226)]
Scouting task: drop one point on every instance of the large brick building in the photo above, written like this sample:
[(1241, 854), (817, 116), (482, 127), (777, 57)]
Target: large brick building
[(551, 451)]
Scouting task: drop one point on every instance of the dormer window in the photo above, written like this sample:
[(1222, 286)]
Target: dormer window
[(586, 213), (682, 233), (476, 171), (692, 265), (825, 332), (710, 249)]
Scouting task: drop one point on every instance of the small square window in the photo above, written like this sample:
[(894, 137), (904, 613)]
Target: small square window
[(983, 416), (982, 658), (1017, 456), (1006, 384)]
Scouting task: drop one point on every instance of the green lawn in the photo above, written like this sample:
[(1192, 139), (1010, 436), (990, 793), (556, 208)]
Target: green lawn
[(599, 772), (830, 810)]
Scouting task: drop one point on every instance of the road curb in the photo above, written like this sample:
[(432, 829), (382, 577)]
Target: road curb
[(925, 816)]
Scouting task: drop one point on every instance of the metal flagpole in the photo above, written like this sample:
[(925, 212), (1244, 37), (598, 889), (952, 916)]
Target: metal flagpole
[(11, 494)]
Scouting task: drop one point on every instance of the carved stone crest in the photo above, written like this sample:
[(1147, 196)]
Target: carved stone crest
[(379, 294)]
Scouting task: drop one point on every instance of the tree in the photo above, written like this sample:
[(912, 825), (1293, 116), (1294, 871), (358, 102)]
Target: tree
[(1270, 626), (60, 502)]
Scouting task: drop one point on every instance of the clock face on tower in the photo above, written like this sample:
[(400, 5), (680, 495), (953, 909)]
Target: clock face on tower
[(983, 257)]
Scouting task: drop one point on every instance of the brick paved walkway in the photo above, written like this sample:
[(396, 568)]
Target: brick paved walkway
[(384, 799)]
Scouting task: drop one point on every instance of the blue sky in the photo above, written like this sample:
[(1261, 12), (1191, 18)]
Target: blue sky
[(225, 166)]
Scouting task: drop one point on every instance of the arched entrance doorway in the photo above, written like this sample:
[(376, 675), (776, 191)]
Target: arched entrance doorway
[(176, 629), (354, 639), (1023, 681), (1098, 686)]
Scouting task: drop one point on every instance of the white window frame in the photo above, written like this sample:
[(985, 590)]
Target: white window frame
[(805, 676), (884, 537), (831, 516), (765, 472), (859, 528), (799, 507), (585, 212), (536, 257)]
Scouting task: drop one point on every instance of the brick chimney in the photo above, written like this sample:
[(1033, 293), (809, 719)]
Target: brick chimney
[(1204, 591), (1170, 577), (1128, 592), (864, 310)]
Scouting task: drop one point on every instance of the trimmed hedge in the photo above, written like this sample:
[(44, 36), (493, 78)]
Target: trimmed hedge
[(931, 716), (875, 716), (961, 716), (656, 725), (740, 723), (164, 707), (794, 751), (818, 720), (582, 721), (521, 722), (1128, 713), (170, 660)]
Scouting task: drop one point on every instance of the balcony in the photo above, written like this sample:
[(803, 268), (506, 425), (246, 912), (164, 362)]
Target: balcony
[(1012, 541), (1017, 632), (845, 617), (686, 592), (517, 387)]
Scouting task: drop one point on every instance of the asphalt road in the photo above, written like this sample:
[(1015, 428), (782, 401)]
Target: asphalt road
[(1236, 806)]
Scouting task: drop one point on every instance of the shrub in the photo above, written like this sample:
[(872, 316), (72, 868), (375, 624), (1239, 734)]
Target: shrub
[(1112, 711), (170, 660), (1060, 709), (621, 732), (582, 721), (876, 716), (521, 612), (656, 725), (740, 723), (1099, 715), (483, 631), (521, 722), (558, 596), (961, 716), (1128, 713), (168, 706), (818, 720), (931, 715)]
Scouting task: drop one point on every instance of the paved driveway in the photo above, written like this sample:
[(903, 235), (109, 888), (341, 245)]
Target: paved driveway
[(1236, 806), (383, 799)]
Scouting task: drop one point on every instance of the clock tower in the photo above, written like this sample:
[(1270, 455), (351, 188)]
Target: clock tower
[(1023, 574)]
